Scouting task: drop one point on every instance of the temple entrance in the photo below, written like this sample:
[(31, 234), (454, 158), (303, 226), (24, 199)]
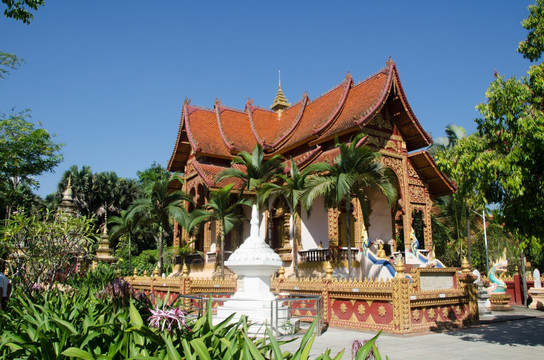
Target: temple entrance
[(279, 216), (342, 230), (418, 225)]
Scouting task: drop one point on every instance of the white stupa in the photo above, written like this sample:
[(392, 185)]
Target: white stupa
[(254, 262)]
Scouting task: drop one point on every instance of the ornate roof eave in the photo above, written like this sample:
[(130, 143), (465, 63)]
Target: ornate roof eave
[(289, 132), (174, 164), (422, 138), (249, 110), (303, 160), (427, 169), (364, 118), (347, 84), (218, 109)]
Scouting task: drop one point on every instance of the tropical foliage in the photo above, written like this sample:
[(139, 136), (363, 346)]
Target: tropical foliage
[(105, 318), (291, 188), (46, 248), (26, 150), (354, 172), (226, 208), (158, 207)]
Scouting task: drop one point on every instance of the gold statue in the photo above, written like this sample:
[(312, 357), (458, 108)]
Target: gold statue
[(381, 251)]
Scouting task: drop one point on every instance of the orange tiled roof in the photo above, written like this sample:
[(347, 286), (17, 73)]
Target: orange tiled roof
[(222, 132)]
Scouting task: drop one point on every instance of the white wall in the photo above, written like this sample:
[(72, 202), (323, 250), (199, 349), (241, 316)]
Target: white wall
[(315, 228), (380, 218)]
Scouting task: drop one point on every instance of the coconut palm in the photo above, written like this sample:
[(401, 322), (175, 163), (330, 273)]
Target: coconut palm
[(123, 227), (291, 188), (354, 172), (257, 170), (158, 206), (224, 207)]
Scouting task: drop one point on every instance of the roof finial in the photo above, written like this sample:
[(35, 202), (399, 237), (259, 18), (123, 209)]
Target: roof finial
[(280, 102)]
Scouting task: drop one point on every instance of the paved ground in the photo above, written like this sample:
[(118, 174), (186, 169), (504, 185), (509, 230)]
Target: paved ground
[(517, 334)]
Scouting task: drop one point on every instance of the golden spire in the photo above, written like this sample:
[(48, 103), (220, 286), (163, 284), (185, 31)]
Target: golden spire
[(280, 102)]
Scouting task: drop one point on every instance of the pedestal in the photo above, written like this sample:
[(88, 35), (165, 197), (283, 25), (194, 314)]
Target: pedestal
[(537, 294), (499, 302)]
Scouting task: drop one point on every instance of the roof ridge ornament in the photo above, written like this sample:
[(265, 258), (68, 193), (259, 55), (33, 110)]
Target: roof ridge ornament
[(280, 102)]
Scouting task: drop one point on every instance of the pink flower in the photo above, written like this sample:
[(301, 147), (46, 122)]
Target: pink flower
[(162, 319)]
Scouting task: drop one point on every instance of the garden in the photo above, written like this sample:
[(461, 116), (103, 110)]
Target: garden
[(100, 316)]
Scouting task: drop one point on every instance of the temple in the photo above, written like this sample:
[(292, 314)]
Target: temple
[(208, 139)]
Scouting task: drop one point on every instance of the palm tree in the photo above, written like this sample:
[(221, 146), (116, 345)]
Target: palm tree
[(291, 189), (123, 227), (455, 134), (223, 207), (257, 171), (160, 205), (354, 172)]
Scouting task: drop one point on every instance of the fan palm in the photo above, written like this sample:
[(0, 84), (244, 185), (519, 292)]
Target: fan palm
[(158, 206), (224, 207), (354, 172), (291, 189)]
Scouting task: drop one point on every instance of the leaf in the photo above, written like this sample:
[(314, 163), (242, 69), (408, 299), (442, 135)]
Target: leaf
[(274, 344), (170, 349), (65, 325), (135, 316), (252, 348), (78, 353), (187, 350), (200, 349)]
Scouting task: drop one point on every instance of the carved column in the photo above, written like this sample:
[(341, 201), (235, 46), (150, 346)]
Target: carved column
[(400, 284), (332, 217), (176, 235)]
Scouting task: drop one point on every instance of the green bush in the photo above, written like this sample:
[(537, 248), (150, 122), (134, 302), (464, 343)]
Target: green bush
[(148, 260), (114, 324)]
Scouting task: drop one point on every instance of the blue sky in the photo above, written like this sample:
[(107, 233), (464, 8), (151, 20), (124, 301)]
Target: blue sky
[(109, 77)]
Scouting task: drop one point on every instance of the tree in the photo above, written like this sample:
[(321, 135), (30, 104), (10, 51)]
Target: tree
[(7, 62), (150, 175), (123, 228), (47, 247), (354, 172), (158, 206), (20, 9), (225, 208), (291, 189), (459, 157), (257, 171), (512, 125), (25, 152)]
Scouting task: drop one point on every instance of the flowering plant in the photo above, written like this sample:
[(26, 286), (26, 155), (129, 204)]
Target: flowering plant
[(161, 319)]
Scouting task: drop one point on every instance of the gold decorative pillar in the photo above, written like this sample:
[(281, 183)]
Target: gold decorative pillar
[(176, 235), (466, 281), (400, 284), (332, 217)]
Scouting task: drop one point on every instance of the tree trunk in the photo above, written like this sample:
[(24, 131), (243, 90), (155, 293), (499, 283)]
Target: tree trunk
[(523, 278), (295, 245), (160, 251), (469, 253), (348, 237), (129, 257), (222, 251)]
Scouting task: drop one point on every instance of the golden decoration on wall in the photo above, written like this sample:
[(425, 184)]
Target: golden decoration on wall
[(343, 308), (416, 315), (431, 314), (381, 311), (361, 310)]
